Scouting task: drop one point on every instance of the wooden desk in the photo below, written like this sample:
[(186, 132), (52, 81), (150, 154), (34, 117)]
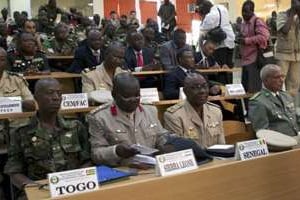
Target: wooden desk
[(273, 177), (60, 57), (161, 107), (204, 71), (66, 79), (60, 63)]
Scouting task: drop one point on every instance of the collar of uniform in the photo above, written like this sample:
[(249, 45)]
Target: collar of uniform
[(269, 91), (183, 69), (62, 124), (98, 52)]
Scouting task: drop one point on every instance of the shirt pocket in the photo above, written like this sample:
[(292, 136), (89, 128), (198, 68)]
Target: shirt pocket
[(38, 149), (150, 132), (11, 91), (214, 130), (120, 136), (70, 143)]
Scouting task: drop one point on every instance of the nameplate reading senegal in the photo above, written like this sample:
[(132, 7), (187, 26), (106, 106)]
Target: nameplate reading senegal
[(73, 182), (10, 105), (149, 95), (73, 101), (251, 149), (235, 90), (176, 162)]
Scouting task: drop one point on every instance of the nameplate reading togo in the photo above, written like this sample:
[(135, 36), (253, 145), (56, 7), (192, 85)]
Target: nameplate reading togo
[(234, 90), (73, 101), (248, 150), (149, 95), (174, 163), (10, 105), (73, 182)]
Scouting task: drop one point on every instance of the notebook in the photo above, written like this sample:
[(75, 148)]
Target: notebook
[(106, 174)]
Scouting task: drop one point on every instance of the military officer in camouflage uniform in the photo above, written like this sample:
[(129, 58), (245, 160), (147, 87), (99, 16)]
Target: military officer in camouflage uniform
[(61, 44), (48, 143), (26, 58), (272, 108), (11, 85), (117, 125), (101, 77), (196, 118)]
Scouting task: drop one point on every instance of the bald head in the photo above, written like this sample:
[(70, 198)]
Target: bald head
[(48, 95), (42, 85), (126, 92), (196, 89)]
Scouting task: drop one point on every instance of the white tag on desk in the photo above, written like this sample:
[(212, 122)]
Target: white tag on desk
[(149, 95), (235, 90), (248, 150), (176, 162), (73, 101), (10, 105), (73, 181)]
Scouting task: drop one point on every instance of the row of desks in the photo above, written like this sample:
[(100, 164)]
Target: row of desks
[(66, 75), (161, 106), (273, 177)]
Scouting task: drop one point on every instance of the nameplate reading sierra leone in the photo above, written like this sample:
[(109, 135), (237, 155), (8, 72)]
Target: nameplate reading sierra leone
[(176, 162), (73, 101), (248, 150), (10, 105), (73, 181)]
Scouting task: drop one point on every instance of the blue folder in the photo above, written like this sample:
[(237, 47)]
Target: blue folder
[(106, 174)]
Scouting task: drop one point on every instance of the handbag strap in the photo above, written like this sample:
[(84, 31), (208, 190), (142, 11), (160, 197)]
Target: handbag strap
[(220, 16)]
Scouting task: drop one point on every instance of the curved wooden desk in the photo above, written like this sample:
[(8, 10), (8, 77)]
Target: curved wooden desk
[(273, 177)]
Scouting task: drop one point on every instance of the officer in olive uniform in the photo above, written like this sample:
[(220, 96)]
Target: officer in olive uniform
[(25, 58), (272, 108), (48, 143), (101, 77), (196, 118), (117, 125)]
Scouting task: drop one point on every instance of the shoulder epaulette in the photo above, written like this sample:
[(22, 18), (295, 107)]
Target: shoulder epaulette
[(101, 107), (176, 107), (255, 95), (212, 104), (19, 75)]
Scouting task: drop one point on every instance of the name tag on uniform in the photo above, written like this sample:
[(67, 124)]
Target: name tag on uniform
[(149, 95), (10, 105), (251, 149), (175, 163), (73, 101), (234, 90), (73, 182)]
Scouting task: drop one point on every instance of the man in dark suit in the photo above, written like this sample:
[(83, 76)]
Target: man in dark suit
[(168, 50), (174, 79), (139, 58), (89, 55)]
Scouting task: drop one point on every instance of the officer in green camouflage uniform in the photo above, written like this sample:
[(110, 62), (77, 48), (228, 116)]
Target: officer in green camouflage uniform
[(48, 143), (61, 44)]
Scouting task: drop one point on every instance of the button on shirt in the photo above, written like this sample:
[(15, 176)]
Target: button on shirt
[(212, 20)]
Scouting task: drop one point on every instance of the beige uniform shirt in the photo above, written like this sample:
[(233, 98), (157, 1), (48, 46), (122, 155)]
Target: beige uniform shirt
[(109, 126), (97, 79), (14, 85), (183, 120)]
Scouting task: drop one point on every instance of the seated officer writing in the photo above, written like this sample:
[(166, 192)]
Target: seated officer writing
[(174, 79), (26, 58), (272, 108), (196, 118), (117, 125), (48, 143), (101, 77)]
